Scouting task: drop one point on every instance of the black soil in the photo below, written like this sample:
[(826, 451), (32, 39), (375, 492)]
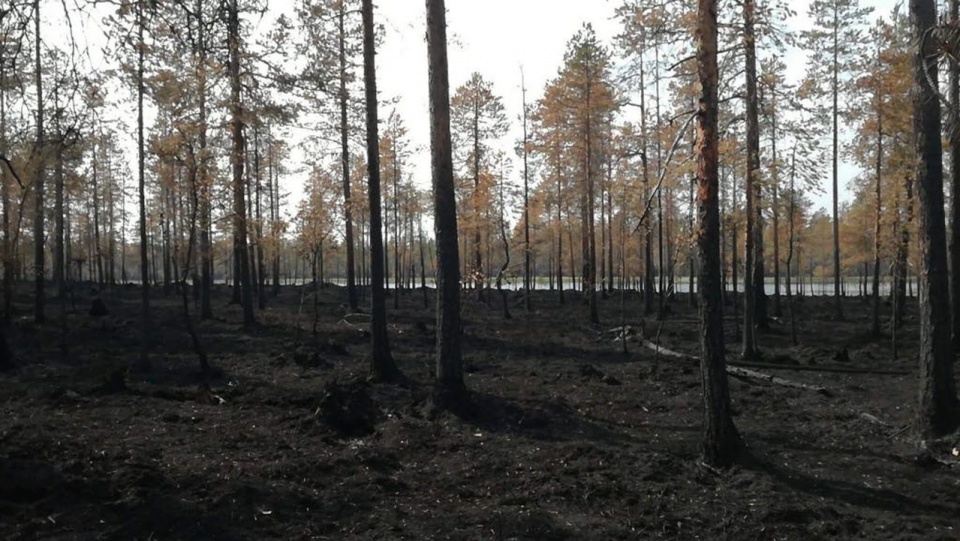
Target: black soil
[(563, 435)]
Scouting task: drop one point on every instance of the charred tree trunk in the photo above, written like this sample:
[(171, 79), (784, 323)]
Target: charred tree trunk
[(449, 366), (837, 307), (753, 272), (527, 276), (352, 297), (939, 412), (382, 365), (258, 224), (39, 211), (954, 137), (241, 248), (878, 211), (141, 194), (205, 213), (721, 442), (7, 248)]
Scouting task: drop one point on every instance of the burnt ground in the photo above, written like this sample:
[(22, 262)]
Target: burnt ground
[(567, 437)]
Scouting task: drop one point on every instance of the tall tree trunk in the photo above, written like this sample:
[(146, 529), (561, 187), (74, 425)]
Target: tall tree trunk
[(661, 242), (382, 365), (141, 194), (237, 161), (397, 283), (478, 273), (40, 152), (165, 220), (790, 245), (423, 265), (559, 167), (58, 241), (258, 220), (274, 217), (590, 255), (352, 297), (837, 307), (752, 189), (98, 254), (205, 211), (527, 276), (939, 412), (648, 230), (775, 190), (878, 211), (449, 370), (903, 249), (7, 248), (954, 135), (721, 442), (506, 255)]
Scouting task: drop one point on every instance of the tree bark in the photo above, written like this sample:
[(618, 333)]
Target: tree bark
[(141, 195), (205, 212), (241, 248), (449, 368), (939, 412), (59, 264), (352, 297), (527, 276), (775, 200), (752, 189), (954, 137), (382, 365), (40, 152), (878, 212), (721, 442), (7, 249), (837, 307), (258, 221)]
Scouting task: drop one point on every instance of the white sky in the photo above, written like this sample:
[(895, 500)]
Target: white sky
[(496, 38), (483, 38)]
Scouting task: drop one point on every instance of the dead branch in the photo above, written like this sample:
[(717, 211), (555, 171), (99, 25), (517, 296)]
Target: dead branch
[(739, 371), (753, 374), (822, 368)]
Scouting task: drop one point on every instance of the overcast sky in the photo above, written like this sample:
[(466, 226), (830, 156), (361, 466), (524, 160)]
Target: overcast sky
[(493, 37), (496, 38)]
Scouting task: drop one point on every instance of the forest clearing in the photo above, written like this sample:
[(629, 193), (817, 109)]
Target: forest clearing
[(565, 437), (617, 340)]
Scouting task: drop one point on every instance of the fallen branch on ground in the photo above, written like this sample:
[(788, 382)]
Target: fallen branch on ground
[(346, 319), (821, 368), (739, 371), (747, 373)]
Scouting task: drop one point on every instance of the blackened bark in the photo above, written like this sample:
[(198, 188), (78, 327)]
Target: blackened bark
[(721, 442), (954, 133), (752, 189), (939, 411), (141, 195), (352, 297), (237, 162), (878, 212), (205, 211), (382, 365), (40, 151), (449, 370)]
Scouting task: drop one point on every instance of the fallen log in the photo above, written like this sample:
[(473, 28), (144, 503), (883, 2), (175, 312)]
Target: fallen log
[(821, 368), (774, 366), (747, 373), (669, 352), (740, 371)]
